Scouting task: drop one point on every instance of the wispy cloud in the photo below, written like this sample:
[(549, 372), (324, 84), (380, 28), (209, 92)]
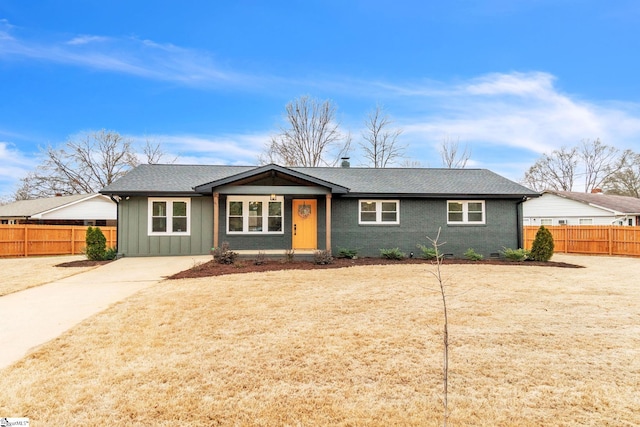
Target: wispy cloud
[(14, 164), (236, 149), (86, 39), (128, 55), (520, 110)]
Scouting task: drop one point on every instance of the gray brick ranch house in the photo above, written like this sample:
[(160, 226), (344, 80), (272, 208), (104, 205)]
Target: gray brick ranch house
[(188, 209)]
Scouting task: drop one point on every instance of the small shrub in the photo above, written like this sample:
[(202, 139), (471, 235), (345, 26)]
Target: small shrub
[(239, 264), (322, 257), (223, 255), (394, 253), (260, 258), (347, 253), (289, 255), (427, 252), (96, 244), (472, 255), (542, 246), (516, 255), (111, 254)]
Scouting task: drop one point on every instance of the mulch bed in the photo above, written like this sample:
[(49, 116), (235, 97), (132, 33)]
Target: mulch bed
[(212, 268), (83, 263)]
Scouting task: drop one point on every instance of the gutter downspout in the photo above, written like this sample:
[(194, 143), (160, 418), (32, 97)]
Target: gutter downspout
[(519, 222), (116, 199)]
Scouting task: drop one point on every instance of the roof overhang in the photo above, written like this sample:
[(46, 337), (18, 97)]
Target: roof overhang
[(270, 172)]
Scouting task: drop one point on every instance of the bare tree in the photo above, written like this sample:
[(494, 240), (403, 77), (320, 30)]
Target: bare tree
[(600, 162), (556, 171), (451, 157), (561, 169), (625, 181), (84, 165), (154, 154), (312, 137), (445, 329), (380, 145), (409, 163)]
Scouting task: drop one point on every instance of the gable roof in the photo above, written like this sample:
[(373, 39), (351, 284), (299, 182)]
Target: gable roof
[(270, 170), (411, 182), (617, 204), (37, 207)]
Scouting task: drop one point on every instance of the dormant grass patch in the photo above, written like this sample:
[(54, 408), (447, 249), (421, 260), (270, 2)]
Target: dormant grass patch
[(530, 346), (18, 274)]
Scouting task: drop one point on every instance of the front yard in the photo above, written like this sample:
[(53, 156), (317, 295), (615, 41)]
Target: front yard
[(530, 346), (18, 274)]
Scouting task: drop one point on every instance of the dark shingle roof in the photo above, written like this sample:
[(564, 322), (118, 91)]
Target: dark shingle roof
[(622, 204), (181, 179)]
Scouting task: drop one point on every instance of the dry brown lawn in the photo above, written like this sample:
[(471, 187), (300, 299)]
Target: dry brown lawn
[(18, 274), (530, 346)]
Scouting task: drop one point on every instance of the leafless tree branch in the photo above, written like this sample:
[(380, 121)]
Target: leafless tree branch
[(312, 137), (381, 147), (451, 157)]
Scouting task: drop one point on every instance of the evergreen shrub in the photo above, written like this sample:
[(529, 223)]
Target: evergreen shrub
[(542, 247)]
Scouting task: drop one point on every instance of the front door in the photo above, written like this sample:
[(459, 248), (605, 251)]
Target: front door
[(304, 226)]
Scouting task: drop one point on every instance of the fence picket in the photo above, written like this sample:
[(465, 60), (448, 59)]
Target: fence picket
[(590, 239), (33, 240)]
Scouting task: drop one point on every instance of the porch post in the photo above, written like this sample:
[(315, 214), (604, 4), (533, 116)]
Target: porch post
[(216, 211), (328, 221)]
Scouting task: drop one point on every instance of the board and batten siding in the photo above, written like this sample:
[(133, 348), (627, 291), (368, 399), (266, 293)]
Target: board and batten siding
[(551, 206), (134, 240)]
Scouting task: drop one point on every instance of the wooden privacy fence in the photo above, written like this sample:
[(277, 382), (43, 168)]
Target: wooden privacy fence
[(29, 239), (590, 239)]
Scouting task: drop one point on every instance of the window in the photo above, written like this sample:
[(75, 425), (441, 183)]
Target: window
[(546, 221), (254, 215), (465, 212), (169, 216), (586, 221), (379, 212)]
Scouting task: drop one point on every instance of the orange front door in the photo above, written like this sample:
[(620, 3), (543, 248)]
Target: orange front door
[(304, 225)]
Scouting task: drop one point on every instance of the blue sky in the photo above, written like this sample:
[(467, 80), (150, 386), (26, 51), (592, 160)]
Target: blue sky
[(209, 80)]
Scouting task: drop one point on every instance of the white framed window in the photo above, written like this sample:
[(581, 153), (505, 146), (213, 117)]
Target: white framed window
[(546, 221), (169, 216), (378, 212), (586, 221), (255, 215), (465, 212)]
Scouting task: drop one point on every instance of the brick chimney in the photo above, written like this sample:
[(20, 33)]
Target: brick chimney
[(596, 191)]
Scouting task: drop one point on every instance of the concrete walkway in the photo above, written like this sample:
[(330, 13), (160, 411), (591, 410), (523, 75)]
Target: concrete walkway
[(34, 316)]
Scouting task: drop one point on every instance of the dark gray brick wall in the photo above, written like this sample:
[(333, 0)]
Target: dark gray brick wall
[(422, 218)]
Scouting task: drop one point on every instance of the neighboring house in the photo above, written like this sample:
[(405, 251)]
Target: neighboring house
[(78, 209), (571, 208), (188, 209)]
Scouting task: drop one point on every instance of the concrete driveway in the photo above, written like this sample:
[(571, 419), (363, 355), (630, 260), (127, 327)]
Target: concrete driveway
[(34, 316)]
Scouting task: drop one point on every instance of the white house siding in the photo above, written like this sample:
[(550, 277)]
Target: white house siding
[(99, 207), (556, 208)]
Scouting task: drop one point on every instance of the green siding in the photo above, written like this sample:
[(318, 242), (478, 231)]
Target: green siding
[(419, 218), (133, 239)]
